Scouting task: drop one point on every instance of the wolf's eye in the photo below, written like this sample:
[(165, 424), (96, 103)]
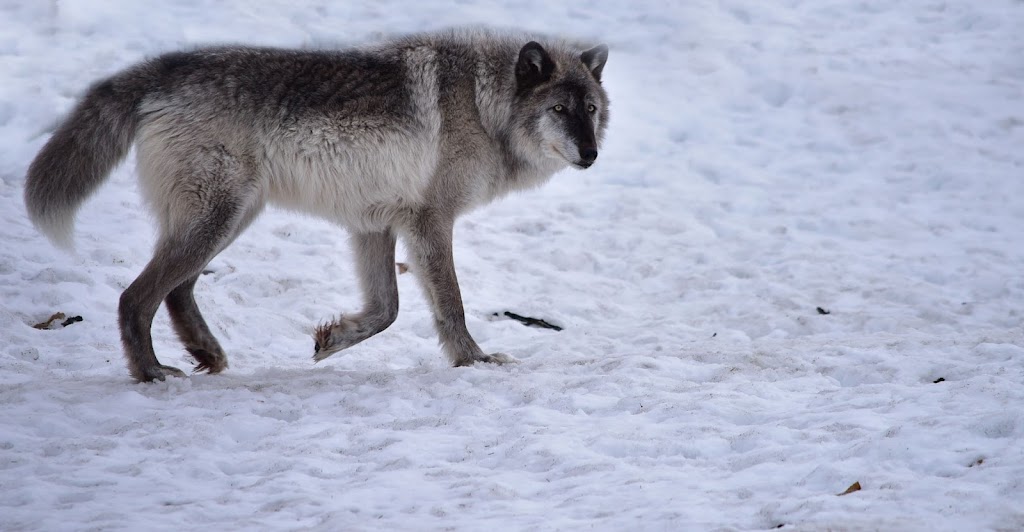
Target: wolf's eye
[(558, 108), (591, 108)]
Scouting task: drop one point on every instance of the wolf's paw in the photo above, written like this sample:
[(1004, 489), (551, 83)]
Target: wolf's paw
[(493, 358), (159, 373), (342, 333), (499, 358), (207, 361)]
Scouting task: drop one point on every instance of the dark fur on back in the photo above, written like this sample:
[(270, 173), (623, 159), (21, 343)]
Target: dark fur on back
[(290, 84)]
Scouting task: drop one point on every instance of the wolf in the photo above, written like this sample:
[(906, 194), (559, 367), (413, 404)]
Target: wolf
[(388, 140)]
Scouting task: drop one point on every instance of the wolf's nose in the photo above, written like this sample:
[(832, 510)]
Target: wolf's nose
[(588, 154)]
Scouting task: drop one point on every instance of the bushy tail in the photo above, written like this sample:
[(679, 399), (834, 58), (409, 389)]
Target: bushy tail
[(81, 154)]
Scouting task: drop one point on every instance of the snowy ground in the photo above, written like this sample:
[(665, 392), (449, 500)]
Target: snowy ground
[(764, 159)]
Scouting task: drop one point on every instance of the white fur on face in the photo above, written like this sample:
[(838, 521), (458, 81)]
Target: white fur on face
[(556, 141)]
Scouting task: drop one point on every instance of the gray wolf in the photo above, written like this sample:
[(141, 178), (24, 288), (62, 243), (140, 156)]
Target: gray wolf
[(388, 140)]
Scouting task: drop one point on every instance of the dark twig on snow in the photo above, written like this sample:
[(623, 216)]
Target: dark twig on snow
[(531, 322), (69, 321)]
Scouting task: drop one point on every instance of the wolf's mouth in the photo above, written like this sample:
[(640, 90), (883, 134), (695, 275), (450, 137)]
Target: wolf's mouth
[(581, 165)]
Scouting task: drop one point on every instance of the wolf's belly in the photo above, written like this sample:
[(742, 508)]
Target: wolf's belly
[(361, 182)]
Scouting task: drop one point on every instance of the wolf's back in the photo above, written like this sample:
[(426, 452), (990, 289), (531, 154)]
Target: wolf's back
[(94, 138)]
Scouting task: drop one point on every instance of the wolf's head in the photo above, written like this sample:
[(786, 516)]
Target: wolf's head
[(566, 107)]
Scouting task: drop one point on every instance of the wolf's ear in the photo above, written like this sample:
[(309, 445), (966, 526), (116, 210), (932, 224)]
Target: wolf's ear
[(534, 67), (595, 58)]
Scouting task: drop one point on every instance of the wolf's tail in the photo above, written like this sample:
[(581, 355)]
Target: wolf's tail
[(82, 152)]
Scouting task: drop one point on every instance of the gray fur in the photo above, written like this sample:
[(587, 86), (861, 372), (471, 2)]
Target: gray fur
[(393, 139)]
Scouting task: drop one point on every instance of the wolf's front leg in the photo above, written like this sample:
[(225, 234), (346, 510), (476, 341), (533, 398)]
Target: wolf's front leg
[(430, 242), (375, 257)]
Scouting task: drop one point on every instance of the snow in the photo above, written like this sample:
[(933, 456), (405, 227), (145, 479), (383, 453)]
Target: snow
[(763, 159)]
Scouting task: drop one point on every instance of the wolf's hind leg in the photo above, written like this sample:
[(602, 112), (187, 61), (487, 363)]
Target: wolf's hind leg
[(177, 259), (375, 257), (171, 274), (203, 202), (188, 322)]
